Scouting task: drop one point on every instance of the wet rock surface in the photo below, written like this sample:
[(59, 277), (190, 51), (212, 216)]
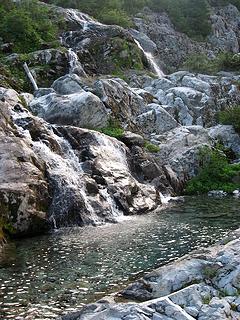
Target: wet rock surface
[(54, 176)]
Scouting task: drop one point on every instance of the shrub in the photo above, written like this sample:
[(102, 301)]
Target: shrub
[(231, 116), (215, 173), (228, 61), (115, 132), (115, 16), (224, 61), (200, 63), (151, 147), (113, 129), (26, 24)]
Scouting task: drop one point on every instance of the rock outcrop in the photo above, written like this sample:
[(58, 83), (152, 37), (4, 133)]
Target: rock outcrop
[(55, 176), (171, 48), (177, 113)]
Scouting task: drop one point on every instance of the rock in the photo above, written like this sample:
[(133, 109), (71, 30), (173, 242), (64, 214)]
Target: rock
[(79, 109), (132, 139), (225, 28), (68, 84), (228, 136), (172, 47), (217, 194), (46, 65), (117, 96), (197, 84), (178, 153), (62, 176), (26, 98), (24, 196), (157, 120), (43, 92)]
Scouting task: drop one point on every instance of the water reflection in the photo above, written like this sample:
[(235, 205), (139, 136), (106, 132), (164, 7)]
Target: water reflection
[(57, 273)]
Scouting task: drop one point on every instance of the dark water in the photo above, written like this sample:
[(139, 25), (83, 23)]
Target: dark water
[(57, 273)]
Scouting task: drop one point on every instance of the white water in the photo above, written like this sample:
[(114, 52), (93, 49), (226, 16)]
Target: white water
[(74, 64), (165, 199), (66, 171), (82, 19), (151, 60)]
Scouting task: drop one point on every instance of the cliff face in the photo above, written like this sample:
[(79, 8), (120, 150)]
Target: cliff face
[(158, 35)]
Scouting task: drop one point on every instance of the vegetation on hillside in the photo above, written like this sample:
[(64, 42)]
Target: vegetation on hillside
[(216, 173), (189, 16), (225, 61), (27, 25), (231, 116)]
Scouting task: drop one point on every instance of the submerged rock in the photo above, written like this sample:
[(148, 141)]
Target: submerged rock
[(203, 285)]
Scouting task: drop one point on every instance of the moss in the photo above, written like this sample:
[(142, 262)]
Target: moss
[(112, 55), (206, 300), (150, 147), (126, 55), (46, 73), (210, 272)]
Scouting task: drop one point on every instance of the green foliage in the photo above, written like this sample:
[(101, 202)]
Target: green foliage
[(199, 63), (5, 228), (114, 132), (224, 61), (228, 61), (215, 173), (113, 129), (231, 116), (115, 16), (150, 147), (27, 24)]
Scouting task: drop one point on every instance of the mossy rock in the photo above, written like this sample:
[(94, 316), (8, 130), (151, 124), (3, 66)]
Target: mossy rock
[(113, 56), (46, 66)]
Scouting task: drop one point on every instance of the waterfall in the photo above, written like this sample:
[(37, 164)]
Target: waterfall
[(74, 64), (71, 202), (82, 19), (150, 58)]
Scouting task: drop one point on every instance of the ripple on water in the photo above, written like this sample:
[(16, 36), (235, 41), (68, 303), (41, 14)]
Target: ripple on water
[(58, 273)]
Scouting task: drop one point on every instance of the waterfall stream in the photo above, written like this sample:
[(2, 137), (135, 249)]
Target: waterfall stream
[(74, 64), (71, 202), (150, 58)]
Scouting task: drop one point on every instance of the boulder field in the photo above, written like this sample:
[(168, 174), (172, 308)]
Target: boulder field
[(57, 171)]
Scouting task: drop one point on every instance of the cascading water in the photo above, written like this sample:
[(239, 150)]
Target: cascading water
[(71, 202), (74, 64), (82, 19), (151, 61), (65, 171)]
